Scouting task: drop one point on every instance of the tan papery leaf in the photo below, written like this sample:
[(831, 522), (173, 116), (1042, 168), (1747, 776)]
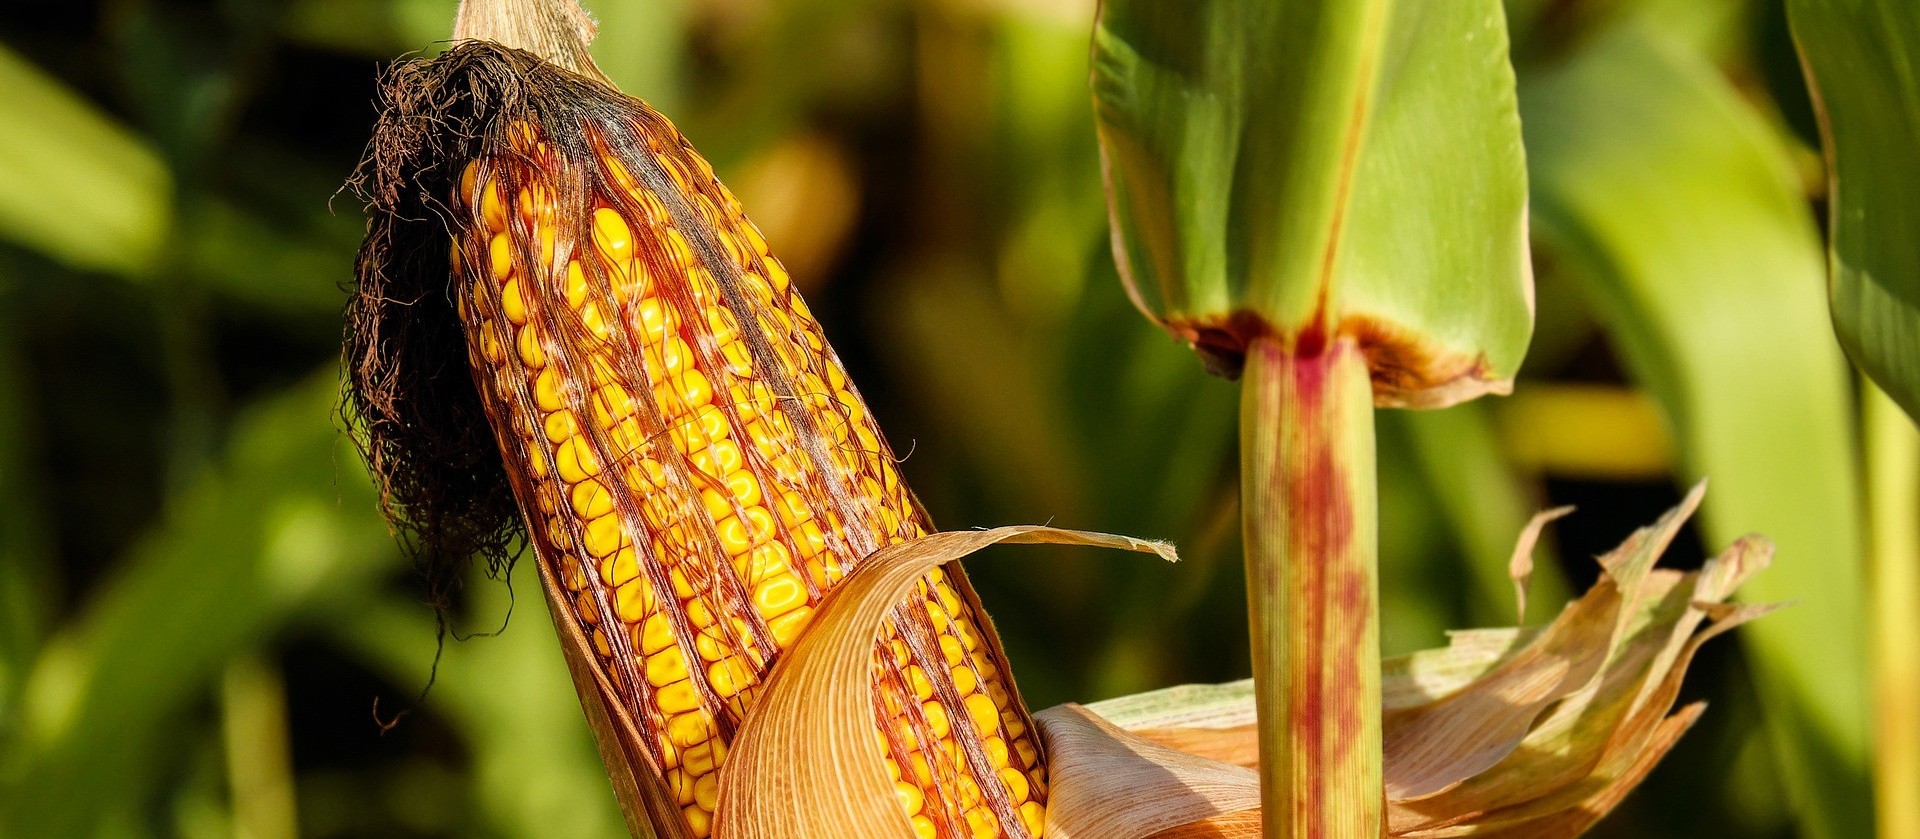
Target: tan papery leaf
[(1517, 733), (805, 763)]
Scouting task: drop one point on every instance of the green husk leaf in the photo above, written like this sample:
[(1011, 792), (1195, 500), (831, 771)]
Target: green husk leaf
[(81, 188), (1862, 59), (1674, 205), (1310, 170)]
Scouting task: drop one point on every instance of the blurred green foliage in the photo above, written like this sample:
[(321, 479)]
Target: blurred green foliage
[(188, 542)]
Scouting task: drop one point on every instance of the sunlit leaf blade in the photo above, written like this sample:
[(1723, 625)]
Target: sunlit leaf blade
[(1352, 166), (1862, 59), (509, 697), (80, 187), (1665, 194), (275, 524)]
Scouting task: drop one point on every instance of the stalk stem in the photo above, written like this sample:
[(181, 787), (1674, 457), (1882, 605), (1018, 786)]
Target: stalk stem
[(556, 30), (1893, 565), (1310, 518)]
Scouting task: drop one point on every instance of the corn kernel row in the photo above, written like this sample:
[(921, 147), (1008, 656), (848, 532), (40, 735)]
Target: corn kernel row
[(695, 462)]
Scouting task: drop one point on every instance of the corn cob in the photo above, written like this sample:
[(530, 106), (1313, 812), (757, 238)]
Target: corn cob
[(693, 461)]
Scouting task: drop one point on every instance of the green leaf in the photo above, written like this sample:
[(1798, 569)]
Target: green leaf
[(1862, 58), (286, 518), (1667, 196), (80, 187), (536, 773), (1349, 167)]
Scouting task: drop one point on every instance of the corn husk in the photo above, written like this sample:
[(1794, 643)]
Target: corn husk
[(1507, 732)]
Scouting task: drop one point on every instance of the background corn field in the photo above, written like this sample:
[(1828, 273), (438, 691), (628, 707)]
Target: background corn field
[(200, 605)]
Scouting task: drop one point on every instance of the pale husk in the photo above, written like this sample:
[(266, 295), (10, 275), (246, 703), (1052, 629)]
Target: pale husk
[(805, 763), (1533, 733)]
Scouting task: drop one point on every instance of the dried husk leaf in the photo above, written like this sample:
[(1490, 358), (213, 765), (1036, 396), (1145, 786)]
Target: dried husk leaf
[(805, 763), (1109, 784), (1453, 712)]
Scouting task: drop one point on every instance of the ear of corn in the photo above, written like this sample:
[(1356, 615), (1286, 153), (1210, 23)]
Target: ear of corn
[(693, 461)]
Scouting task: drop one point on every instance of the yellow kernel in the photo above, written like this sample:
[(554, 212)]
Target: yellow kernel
[(764, 562), (546, 391), (676, 247), (666, 667), (706, 791), (561, 426), (982, 823), (1016, 784), (656, 634), (677, 698), (720, 459), (511, 303), (952, 650), (965, 681), (738, 536), (611, 234), (633, 600), (996, 749), (656, 320), (576, 284), (729, 676), (936, 717), (688, 730), (681, 784), (923, 828), (787, 628), (1025, 751), (493, 210), (604, 536), (623, 566), (591, 500), (918, 683), (981, 711), (500, 256), (596, 321), (1035, 818), (778, 596), (575, 461), (699, 821), (911, 798), (702, 758), (531, 353)]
